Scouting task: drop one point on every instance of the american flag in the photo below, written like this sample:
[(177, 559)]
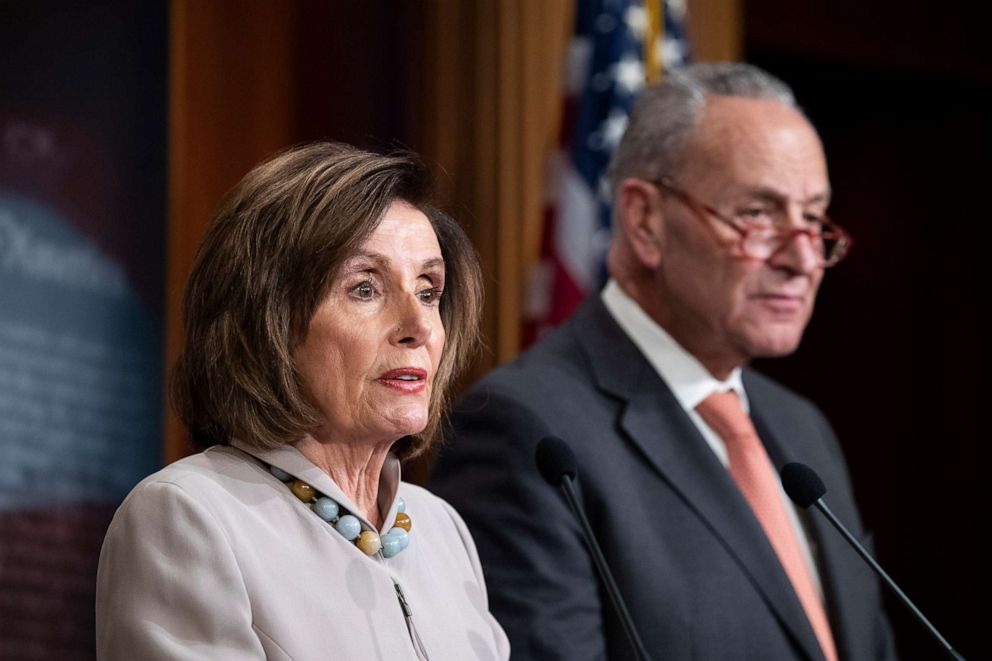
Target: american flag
[(618, 45)]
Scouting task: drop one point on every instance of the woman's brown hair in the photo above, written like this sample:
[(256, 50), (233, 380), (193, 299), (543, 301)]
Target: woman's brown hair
[(275, 243)]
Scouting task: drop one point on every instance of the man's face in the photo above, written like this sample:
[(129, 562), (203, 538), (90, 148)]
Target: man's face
[(750, 160)]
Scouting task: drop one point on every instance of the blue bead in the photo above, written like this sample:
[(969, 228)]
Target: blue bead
[(349, 527), (326, 508), (400, 534), (402, 505), (280, 474), (391, 545)]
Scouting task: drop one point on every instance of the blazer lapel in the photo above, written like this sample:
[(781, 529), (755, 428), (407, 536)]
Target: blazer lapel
[(656, 424)]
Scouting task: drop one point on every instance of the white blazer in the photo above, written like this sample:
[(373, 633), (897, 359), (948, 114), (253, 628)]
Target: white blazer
[(214, 558)]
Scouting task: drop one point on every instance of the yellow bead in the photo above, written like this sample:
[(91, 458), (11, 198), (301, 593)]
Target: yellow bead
[(403, 521), (303, 491), (369, 542)]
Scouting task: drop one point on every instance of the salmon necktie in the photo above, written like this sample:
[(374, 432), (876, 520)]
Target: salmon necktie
[(753, 471)]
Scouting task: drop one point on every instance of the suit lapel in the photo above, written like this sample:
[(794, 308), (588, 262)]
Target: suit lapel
[(656, 424), (843, 596), (834, 558)]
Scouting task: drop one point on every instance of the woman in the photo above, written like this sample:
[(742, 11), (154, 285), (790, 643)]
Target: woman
[(318, 351)]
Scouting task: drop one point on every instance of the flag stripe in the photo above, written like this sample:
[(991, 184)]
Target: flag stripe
[(606, 71)]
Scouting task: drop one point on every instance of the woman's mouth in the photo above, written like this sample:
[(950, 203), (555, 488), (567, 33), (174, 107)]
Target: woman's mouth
[(405, 379)]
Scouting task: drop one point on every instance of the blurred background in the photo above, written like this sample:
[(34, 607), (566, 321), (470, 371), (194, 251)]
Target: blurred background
[(122, 123)]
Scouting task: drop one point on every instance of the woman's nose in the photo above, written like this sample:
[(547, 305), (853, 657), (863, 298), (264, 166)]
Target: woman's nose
[(413, 326)]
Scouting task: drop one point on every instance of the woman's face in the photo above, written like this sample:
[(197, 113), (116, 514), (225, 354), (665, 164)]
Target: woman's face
[(372, 347)]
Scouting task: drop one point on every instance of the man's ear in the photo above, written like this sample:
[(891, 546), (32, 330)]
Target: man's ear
[(638, 210)]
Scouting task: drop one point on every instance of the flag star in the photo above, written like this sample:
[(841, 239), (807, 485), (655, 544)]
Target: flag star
[(671, 51), (601, 242), (613, 127), (578, 64), (629, 74), (636, 18), (603, 190), (676, 9), (605, 23), (600, 81), (594, 141)]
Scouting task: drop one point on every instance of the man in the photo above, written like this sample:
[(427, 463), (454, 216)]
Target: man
[(720, 243)]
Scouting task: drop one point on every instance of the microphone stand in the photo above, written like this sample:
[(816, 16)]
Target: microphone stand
[(835, 522), (604, 571)]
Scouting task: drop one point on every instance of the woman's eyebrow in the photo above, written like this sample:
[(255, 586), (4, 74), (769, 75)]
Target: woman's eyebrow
[(382, 261), (433, 263), (377, 259)]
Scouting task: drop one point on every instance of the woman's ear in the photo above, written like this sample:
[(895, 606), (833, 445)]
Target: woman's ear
[(638, 211)]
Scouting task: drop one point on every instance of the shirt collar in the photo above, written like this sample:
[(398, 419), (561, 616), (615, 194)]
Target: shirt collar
[(689, 381)]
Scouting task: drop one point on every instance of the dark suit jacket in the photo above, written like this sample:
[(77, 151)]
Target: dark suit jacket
[(697, 572)]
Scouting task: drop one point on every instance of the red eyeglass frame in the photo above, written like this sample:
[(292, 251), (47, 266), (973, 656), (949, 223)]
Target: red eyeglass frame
[(832, 230)]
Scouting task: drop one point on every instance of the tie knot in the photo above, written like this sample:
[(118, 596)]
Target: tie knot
[(725, 415)]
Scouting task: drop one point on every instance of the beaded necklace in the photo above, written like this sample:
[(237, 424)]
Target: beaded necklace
[(348, 525)]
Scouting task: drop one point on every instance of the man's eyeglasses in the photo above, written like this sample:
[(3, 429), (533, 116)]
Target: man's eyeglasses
[(760, 239)]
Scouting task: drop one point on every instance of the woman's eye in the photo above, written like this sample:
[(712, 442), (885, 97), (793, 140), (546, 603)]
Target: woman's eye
[(364, 290), (431, 295)]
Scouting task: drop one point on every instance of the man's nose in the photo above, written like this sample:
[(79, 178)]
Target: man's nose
[(801, 251)]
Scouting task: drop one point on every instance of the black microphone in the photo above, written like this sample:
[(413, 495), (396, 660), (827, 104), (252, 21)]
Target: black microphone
[(805, 488), (556, 462)]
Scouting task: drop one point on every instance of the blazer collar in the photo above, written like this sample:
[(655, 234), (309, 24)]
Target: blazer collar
[(660, 429), (289, 459)]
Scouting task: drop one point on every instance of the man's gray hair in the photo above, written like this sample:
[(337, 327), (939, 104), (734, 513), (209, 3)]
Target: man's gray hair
[(665, 114)]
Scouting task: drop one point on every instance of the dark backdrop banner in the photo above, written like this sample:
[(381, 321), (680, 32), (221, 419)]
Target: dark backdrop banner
[(82, 226)]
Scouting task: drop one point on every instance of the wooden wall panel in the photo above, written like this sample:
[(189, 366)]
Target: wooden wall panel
[(716, 30), (493, 101), (231, 104)]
